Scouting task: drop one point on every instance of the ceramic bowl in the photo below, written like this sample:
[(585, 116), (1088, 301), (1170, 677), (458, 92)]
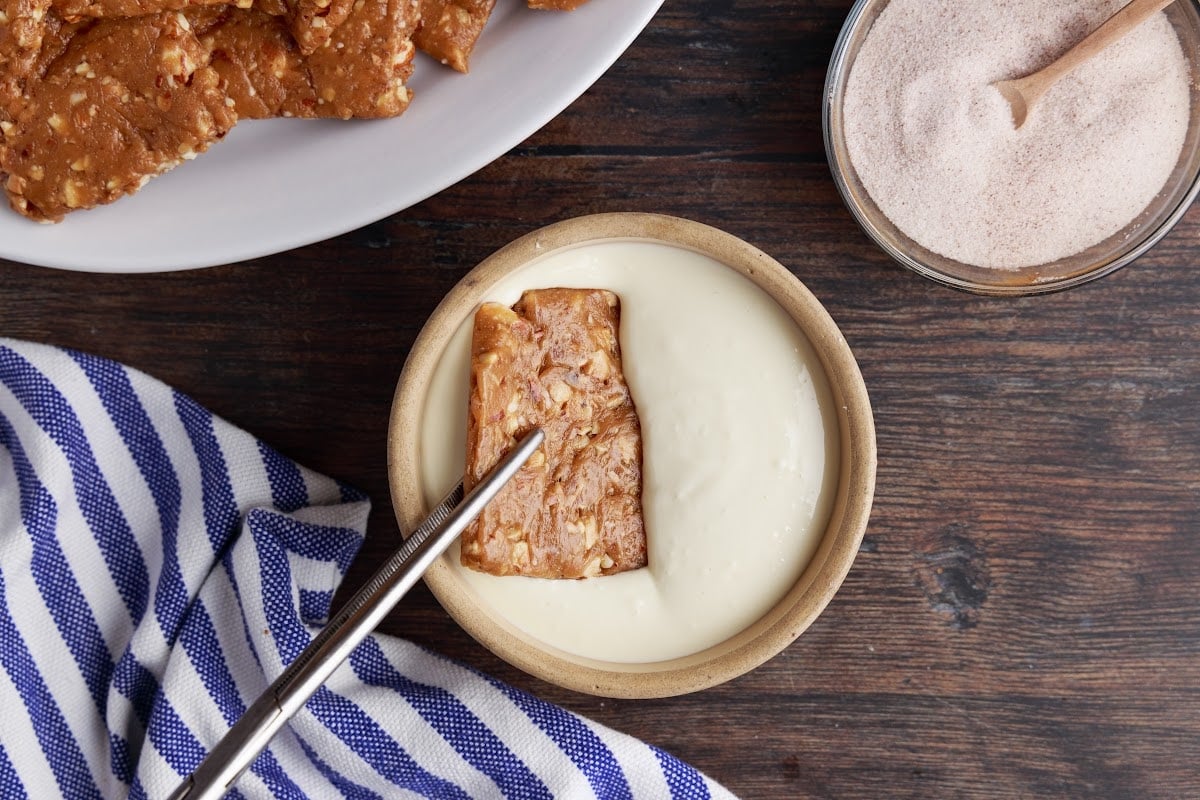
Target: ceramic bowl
[(1106, 257), (849, 427)]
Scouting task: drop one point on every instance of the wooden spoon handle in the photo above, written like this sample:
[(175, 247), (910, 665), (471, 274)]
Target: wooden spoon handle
[(1116, 26)]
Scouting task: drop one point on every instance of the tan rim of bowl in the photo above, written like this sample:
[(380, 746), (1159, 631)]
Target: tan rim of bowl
[(820, 579)]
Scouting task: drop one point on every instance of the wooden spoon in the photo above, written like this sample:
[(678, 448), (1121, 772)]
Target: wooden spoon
[(1022, 93)]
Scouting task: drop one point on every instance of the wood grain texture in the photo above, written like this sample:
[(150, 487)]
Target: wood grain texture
[(1022, 618)]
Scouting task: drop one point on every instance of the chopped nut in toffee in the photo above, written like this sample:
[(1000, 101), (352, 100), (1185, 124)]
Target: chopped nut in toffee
[(574, 511)]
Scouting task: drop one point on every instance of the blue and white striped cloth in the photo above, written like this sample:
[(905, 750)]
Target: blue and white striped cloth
[(159, 567)]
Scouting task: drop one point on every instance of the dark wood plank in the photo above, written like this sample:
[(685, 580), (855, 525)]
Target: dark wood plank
[(1021, 620)]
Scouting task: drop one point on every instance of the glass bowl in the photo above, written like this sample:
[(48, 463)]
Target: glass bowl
[(1155, 221)]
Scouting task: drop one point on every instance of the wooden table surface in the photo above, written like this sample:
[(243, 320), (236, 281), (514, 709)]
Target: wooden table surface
[(1023, 619)]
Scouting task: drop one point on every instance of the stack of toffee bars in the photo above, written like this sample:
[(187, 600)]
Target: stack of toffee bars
[(99, 96)]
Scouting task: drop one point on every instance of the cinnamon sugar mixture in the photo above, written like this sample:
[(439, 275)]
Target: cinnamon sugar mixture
[(934, 143)]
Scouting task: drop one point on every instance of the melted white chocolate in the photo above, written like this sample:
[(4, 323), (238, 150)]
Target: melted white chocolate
[(739, 455)]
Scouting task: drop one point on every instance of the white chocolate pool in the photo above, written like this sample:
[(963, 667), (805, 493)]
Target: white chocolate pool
[(739, 455)]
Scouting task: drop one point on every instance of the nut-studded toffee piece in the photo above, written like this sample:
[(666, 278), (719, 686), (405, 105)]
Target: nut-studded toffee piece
[(574, 510), (95, 9), (361, 73), (311, 22), (126, 100), (450, 28)]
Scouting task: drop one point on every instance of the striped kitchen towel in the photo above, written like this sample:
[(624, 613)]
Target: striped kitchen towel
[(159, 567)]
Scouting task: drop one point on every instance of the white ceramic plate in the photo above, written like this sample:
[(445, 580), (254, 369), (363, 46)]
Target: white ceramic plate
[(278, 184)]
